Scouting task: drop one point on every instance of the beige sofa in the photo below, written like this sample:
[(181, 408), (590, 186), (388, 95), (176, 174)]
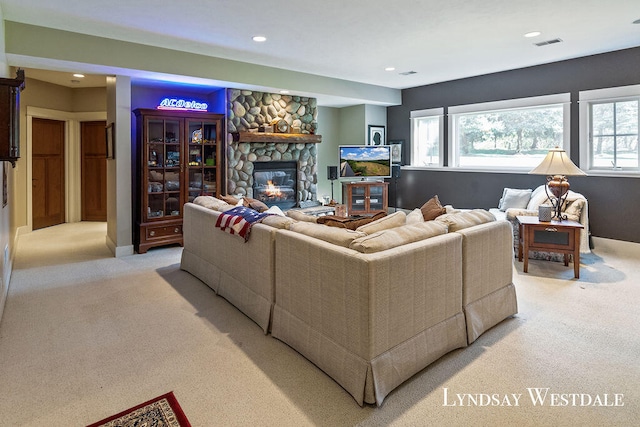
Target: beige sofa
[(240, 272), (370, 307)]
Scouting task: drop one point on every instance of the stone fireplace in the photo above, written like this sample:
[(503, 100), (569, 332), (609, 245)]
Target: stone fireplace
[(246, 148)]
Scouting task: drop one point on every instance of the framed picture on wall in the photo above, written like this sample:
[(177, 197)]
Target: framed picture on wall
[(376, 135), (397, 152)]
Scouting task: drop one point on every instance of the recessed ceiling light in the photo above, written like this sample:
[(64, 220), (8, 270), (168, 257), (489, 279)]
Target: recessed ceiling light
[(78, 75), (390, 68), (259, 39), (533, 34)]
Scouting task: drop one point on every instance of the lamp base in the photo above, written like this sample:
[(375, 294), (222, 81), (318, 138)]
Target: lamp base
[(558, 186)]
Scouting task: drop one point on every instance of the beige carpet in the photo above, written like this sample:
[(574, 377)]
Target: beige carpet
[(85, 335)]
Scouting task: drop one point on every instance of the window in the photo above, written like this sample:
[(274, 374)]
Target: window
[(427, 129), (610, 126), (508, 135)]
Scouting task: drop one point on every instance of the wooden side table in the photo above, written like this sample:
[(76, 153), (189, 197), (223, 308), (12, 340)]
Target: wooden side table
[(553, 236)]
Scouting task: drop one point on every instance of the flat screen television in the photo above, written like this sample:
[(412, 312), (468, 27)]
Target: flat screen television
[(365, 161)]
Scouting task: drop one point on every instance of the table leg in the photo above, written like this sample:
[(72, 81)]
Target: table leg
[(525, 250), (576, 255), (520, 238)]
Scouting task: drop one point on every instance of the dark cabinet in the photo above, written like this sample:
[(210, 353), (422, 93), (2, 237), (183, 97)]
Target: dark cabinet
[(10, 117)]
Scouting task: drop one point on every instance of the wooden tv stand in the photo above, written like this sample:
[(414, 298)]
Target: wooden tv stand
[(365, 197)]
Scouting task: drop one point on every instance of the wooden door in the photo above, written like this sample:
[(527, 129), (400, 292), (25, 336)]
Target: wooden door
[(48, 173), (94, 171)]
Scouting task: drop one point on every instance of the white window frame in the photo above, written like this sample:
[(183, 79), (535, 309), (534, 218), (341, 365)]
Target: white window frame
[(420, 114), (486, 107), (585, 99)]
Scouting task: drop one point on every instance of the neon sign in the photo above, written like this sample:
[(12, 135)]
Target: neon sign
[(182, 104)]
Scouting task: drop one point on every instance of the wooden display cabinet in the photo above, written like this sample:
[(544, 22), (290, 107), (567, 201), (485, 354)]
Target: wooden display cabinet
[(365, 197), (179, 157)]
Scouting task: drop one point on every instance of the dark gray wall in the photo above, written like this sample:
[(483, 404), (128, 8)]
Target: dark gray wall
[(613, 202)]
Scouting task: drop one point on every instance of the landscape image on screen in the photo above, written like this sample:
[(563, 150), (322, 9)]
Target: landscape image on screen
[(365, 161)]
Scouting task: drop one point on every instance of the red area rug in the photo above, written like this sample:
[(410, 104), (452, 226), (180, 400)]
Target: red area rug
[(163, 411)]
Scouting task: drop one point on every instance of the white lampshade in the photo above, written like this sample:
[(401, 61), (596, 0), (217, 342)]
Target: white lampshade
[(557, 163)]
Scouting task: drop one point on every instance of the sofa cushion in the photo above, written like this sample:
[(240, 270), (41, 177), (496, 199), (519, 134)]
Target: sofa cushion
[(398, 236), (514, 198), (350, 223), (337, 236), (395, 219), (301, 216), (210, 202), (461, 220), (432, 209)]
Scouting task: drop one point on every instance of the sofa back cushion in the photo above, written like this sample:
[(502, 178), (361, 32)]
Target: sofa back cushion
[(395, 219), (465, 219), (277, 221), (338, 236), (398, 236), (301, 216)]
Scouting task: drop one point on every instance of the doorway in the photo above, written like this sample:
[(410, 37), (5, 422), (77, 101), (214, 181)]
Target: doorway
[(94, 171), (48, 176)]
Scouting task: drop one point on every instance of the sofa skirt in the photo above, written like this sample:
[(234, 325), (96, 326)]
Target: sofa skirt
[(370, 381)]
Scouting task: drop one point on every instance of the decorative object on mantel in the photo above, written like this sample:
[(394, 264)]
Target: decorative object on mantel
[(557, 165)]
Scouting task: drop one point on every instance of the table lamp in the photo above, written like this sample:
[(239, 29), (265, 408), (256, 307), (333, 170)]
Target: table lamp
[(557, 166)]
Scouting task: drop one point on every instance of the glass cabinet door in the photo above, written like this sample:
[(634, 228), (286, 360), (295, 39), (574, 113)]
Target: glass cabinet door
[(163, 160), (202, 161), (376, 198)]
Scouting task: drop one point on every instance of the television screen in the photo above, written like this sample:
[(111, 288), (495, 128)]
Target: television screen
[(365, 161)]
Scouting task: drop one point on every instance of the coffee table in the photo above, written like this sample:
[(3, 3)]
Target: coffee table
[(553, 236)]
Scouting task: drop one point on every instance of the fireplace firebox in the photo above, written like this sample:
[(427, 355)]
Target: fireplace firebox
[(275, 183)]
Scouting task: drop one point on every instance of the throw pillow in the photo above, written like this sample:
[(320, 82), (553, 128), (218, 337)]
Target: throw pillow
[(396, 219), (415, 216), (573, 209), (514, 198), (432, 209), (254, 204), (230, 199)]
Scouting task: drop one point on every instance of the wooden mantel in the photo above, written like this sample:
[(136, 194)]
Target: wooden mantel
[(287, 138)]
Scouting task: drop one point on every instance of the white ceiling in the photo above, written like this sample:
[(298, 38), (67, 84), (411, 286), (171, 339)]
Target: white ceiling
[(351, 39)]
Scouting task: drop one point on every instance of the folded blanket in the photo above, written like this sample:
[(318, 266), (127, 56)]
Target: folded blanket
[(239, 220)]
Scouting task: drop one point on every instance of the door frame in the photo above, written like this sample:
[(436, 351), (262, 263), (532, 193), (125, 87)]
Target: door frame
[(72, 158)]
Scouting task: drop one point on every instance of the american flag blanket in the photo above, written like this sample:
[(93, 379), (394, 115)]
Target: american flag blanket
[(239, 220)]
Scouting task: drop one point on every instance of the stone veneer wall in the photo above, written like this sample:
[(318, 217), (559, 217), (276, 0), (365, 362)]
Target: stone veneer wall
[(249, 110)]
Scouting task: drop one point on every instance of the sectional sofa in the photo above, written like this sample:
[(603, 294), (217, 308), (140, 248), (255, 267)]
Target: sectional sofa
[(370, 307)]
